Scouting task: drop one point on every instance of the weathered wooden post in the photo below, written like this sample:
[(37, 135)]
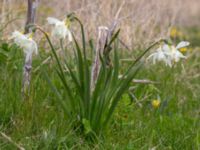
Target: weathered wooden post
[(103, 33), (31, 15), (104, 36)]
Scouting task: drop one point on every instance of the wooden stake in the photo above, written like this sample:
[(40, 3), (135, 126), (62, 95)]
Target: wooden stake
[(31, 14)]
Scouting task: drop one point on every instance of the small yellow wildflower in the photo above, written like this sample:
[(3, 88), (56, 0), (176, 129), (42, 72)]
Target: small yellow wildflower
[(155, 103), (175, 33)]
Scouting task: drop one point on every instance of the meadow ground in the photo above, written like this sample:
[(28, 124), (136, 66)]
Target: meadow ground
[(39, 122), (162, 115)]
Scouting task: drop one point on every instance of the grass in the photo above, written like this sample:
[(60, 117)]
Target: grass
[(39, 123)]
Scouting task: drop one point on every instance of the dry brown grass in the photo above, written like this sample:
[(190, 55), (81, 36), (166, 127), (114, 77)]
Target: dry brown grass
[(141, 21)]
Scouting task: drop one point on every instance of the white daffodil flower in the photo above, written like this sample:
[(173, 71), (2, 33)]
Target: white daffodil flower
[(182, 44), (173, 54), (25, 42), (159, 55), (61, 28), (170, 54)]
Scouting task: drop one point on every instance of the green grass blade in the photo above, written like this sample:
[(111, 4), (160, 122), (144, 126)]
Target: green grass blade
[(54, 89), (122, 87), (68, 90)]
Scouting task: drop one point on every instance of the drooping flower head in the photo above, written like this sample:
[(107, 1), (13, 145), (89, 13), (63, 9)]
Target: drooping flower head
[(25, 42), (61, 28)]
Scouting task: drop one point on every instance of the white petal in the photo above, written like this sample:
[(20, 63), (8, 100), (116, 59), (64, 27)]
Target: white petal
[(168, 62), (103, 28), (161, 56), (35, 48), (166, 48), (150, 56), (28, 57), (178, 55), (27, 46), (59, 31), (52, 20), (15, 34), (18, 38), (69, 35), (154, 59), (18, 35), (182, 44)]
